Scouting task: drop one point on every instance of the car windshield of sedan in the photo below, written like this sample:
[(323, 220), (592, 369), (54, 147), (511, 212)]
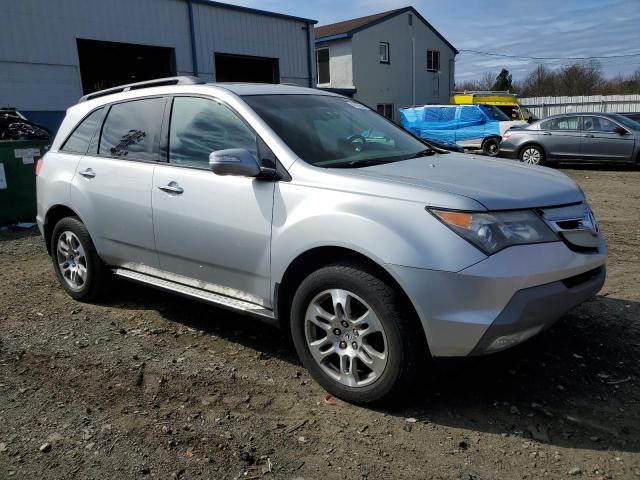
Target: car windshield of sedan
[(336, 132)]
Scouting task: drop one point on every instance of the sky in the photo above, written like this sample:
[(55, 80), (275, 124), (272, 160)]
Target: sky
[(534, 28)]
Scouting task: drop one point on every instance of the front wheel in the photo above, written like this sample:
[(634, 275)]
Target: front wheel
[(532, 154), (354, 334), (491, 147)]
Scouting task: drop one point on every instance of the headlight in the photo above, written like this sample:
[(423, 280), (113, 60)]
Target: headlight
[(494, 231)]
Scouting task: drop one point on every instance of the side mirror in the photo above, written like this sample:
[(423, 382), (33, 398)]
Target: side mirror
[(620, 131), (234, 161)]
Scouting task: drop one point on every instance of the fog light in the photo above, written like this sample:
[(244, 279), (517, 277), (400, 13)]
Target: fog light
[(507, 341)]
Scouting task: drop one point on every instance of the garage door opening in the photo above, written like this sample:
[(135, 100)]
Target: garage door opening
[(242, 68), (109, 64)]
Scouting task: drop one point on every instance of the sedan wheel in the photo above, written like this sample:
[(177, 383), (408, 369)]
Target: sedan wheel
[(532, 156), (346, 338)]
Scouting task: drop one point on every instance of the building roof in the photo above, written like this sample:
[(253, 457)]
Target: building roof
[(239, 8), (345, 29)]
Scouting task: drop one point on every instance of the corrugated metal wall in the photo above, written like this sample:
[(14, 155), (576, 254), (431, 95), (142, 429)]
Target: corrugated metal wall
[(546, 106), (39, 68)]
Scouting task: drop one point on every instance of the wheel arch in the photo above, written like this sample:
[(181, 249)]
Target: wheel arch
[(491, 137), (313, 259), (52, 217), (532, 143)]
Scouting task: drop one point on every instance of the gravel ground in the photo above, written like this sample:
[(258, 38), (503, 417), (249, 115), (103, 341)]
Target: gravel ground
[(148, 385)]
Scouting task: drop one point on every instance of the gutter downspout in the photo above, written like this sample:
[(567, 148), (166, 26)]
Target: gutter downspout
[(194, 55), (311, 50), (413, 71)]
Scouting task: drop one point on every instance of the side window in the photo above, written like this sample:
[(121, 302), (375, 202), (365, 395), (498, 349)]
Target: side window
[(200, 126), (471, 114), (132, 130), (562, 123), (598, 124), (78, 141)]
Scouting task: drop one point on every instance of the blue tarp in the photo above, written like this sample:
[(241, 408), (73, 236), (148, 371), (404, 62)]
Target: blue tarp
[(451, 123)]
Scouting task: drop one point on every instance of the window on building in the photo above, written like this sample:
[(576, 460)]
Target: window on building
[(322, 65), (200, 126), (410, 19), (385, 109), (78, 141), (132, 130), (384, 52), (433, 60)]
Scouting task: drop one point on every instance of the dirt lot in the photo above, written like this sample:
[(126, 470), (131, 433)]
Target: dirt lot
[(148, 385)]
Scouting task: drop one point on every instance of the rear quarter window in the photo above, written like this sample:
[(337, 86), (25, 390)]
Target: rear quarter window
[(78, 141)]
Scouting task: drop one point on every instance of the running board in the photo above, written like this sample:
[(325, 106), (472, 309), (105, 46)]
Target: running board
[(215, 299)]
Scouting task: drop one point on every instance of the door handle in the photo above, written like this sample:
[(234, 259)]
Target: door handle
[(587, 135), (172, 187), (545, 133), (88, 173)]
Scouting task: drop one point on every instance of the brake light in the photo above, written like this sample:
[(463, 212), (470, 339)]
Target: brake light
[(39, 164)]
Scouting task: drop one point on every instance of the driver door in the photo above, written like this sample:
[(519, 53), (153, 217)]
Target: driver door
[(215, 230)]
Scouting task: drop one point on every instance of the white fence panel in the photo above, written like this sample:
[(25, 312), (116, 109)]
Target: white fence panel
[(546, 106)]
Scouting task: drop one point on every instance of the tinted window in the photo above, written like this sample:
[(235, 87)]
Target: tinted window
[(132, 130), (598, 124), (200, 126), (79, 140), (562, 123), (626, 121)]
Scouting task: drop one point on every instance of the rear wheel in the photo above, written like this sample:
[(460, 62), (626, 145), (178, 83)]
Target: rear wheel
[(354, 334), (78, 267), (491, 147), (532, 154)]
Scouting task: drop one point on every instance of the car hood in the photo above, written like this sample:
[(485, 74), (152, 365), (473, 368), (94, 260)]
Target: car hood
[(496, 184)]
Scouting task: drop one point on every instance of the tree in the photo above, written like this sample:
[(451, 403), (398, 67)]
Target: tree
[(504, 81)]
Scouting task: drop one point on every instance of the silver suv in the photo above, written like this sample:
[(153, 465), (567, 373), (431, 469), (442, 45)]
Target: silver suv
[(374, 249)]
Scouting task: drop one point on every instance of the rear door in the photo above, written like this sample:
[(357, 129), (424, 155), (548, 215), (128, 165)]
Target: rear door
[(470, 127), (212, 231), (601, 141), (111, 189), (561, 137)]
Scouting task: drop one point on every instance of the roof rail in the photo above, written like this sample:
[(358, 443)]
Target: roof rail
[(158, 82)]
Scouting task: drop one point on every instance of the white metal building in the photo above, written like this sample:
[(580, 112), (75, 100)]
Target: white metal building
[(53, 52), (387, 61)]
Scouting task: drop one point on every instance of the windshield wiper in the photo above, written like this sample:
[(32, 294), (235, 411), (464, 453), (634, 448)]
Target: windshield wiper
[(423, 153)]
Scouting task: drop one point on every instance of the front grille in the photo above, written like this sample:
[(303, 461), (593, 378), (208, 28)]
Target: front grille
[(585, 277), (575, 225)]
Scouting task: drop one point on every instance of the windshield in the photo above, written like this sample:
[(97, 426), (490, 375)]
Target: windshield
[(328, 131), (511, 111), (626, 121), (494, 113)]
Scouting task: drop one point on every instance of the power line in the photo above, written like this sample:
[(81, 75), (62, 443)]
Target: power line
[(523, 57)]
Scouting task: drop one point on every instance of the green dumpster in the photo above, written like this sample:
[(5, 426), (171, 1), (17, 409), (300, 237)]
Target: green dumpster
[(18, 179)]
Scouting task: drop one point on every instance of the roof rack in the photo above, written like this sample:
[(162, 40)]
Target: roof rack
[(158, 82), (483, 92)]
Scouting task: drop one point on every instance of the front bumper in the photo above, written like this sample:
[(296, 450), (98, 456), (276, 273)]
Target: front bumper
[(515, 293)]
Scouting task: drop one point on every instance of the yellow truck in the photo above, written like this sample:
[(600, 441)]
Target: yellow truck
[(505, 101)]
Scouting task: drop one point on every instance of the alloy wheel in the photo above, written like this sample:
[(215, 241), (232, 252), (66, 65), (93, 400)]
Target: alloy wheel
[(72, 260), (346, 338)]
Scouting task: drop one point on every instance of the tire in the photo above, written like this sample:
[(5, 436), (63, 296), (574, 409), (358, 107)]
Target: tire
[(85, 277), (491, 147), (532, 154), (392, 331)]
